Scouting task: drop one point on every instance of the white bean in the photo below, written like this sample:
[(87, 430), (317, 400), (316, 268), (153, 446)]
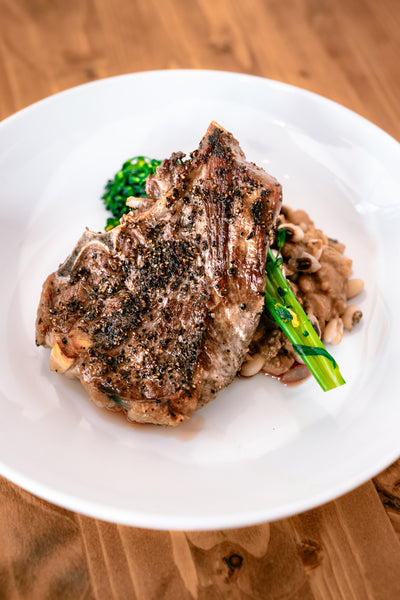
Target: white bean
[(252, 365), (351, 316), (354, 287), (333, 333)]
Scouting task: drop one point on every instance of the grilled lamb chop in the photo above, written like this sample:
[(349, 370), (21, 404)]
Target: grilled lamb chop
[(155, 316)]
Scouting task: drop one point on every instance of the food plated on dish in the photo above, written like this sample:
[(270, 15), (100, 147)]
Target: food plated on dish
[(261, 450), (159, 313)]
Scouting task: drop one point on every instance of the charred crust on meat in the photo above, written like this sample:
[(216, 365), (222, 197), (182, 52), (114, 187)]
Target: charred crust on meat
[(81, 274), (216, 146), (257, 210)]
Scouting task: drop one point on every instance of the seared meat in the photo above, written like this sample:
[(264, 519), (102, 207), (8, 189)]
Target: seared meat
[(155, 316)]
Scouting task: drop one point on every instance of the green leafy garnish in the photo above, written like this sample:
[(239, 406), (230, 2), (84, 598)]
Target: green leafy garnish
[(280, 237), (283, 312), (129, 181), (112, 222), (303, 350)]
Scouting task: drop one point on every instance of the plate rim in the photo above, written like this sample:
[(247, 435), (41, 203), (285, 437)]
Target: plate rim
[(128, 517), (157, 522), (192, 72)]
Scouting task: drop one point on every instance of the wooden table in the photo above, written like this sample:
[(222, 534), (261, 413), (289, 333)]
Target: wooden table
[(347, 50)]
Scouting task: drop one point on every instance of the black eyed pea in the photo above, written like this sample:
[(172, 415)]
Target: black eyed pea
[(306, 263), (293, 232), (351, 316)]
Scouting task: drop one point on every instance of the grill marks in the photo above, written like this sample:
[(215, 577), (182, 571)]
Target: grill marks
[(152, 310)]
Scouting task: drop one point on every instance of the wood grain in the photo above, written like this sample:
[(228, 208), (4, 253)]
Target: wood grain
[(347, 50)]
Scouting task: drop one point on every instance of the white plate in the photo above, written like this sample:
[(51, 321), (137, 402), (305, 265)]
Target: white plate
[(259, 451)]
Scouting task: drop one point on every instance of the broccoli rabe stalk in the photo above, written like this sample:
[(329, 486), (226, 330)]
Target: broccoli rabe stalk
[(291, 318), (129, 181)]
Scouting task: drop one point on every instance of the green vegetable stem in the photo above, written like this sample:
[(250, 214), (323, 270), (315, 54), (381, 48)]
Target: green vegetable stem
[(291, 318)]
